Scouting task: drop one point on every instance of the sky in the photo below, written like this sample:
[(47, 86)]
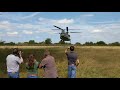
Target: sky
[(94, 26)]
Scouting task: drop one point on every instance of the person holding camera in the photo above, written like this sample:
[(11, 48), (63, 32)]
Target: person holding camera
[(13, 61), (49, 65), (73, 62)]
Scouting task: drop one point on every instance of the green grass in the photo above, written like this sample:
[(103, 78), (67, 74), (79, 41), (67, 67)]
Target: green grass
[(95, 62)]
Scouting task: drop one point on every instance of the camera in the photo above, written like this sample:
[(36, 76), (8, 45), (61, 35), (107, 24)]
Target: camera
[(16, 52), (68, 48)]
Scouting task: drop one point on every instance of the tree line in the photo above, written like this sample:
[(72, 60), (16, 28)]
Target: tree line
[(48, 41)]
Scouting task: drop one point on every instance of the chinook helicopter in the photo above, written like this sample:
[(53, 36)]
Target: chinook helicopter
[(64, 35)]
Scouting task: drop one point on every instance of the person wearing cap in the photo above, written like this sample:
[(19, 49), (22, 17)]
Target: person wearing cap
[(73, 62), (13, 61), (49, 65)]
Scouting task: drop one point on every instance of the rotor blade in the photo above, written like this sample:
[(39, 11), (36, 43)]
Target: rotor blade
[(56, 33), (58, 27), (55, 29), (74, 32), (75, 29)]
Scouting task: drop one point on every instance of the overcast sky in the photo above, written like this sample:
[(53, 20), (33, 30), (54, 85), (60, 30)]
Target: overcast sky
[(25, 26)]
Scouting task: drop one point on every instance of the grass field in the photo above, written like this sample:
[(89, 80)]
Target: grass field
[(95, 61)]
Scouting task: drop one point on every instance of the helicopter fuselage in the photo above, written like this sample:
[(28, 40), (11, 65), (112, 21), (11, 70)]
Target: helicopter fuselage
[(65, 37)]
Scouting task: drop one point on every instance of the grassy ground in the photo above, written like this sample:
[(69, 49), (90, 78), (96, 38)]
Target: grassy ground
[(95, 62)]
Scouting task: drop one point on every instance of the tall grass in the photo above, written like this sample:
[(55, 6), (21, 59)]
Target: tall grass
[(95, 62)]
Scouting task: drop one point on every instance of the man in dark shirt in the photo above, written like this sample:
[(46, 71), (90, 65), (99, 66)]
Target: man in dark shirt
[(73, 61)]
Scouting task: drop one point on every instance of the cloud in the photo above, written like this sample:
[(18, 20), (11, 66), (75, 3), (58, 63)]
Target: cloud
[(105, 22), (45, 31), (5, 25), (26, 26), (96, 31), (113, 27), (84, 18), (41, 19), (88, 15), (1, 34), (37, 37), (4, 22), (65, 21), (30, 16), (53, 21), (12, 33), (27, 32)]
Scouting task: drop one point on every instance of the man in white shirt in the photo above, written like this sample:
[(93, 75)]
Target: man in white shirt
[(13, 61)]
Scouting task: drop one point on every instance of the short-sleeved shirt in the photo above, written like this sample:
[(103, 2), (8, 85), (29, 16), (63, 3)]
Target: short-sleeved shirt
[(72, 57), (33, 70), (13, 62), (49, 67)]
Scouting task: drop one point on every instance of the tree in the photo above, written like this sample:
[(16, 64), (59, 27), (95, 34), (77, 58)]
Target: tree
[(10, 43), (77, 43), (31, 42), (115, 44), (89, 43), (2, 42), (48, 41), (41, 42), (101, 43)]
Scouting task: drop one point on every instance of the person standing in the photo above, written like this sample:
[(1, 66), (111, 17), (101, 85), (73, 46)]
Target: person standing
[(49, 66), (13, 61), (73, 62), (32, 67)]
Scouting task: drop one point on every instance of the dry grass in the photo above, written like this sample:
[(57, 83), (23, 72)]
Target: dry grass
[(28, 47), (95, 62)]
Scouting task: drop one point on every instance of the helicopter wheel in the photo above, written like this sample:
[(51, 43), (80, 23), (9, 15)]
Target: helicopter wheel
[(62, 41)]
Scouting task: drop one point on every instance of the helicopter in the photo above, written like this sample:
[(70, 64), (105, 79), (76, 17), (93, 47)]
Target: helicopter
[(64, 35)]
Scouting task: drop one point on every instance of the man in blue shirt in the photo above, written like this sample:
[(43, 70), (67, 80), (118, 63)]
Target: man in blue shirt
[(73, 62)]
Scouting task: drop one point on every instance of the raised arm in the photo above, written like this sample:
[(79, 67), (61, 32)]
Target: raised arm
[(77, 62), (20, 58), (66, 50)]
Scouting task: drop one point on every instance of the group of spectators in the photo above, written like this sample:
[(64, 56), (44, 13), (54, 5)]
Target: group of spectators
[(48, 64)]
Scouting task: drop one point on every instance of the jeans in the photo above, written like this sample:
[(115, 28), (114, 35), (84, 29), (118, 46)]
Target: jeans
[(71, 71), (13, 74)]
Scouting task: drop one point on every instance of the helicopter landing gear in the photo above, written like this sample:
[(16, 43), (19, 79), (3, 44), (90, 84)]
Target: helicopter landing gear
[(62, 41), (70, 41)]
